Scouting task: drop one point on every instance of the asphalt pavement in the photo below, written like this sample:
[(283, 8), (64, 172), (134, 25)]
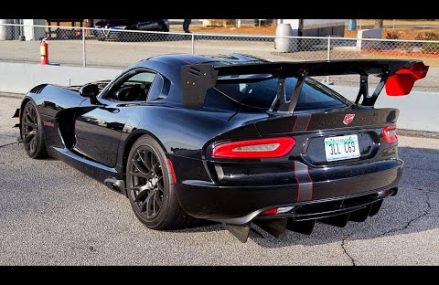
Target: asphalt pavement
[(52, 214)]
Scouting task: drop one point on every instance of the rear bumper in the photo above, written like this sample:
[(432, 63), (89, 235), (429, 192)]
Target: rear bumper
[(349, 190)]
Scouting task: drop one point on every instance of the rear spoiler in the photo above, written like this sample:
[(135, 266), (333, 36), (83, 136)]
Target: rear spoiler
[(398, 76)]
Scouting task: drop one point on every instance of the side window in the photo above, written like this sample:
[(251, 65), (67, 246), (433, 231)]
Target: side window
[(135, 88), (155, 91)]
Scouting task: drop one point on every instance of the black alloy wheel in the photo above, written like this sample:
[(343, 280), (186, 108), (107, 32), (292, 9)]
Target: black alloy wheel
[(146, 182), (32, 131), (150, 187)]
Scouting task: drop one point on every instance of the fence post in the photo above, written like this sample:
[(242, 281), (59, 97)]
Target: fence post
[(193, 43), (328, 57), (84, 63), (328, 54)]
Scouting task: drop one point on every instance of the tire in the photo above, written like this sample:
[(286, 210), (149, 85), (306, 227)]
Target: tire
[(150, 189), (32, 131)]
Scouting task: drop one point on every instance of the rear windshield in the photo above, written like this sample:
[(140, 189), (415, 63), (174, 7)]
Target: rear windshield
[(260, 92)]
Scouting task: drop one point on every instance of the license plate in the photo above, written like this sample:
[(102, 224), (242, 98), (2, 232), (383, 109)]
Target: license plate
[(343, 147)]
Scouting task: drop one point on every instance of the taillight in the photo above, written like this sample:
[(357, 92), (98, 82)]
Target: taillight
[(275, 211), (258, 148), (389, 134), (269, 212)]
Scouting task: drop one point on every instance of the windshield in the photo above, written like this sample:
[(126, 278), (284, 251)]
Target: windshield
[(259, 92)]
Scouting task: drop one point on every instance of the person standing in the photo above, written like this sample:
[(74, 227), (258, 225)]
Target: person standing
[(186, 24)]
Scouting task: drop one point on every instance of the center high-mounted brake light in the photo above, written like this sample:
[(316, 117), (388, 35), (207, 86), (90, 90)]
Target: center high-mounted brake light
[(389, 134), (257, 148)]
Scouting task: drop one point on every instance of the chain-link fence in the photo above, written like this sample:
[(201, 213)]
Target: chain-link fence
[(120, 48)]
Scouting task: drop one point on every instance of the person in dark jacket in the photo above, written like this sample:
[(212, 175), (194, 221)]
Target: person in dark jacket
[(186, 24)]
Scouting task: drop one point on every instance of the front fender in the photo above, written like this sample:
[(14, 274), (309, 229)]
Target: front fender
[(52, 99)]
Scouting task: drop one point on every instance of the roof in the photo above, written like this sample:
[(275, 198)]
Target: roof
[(180, 59)]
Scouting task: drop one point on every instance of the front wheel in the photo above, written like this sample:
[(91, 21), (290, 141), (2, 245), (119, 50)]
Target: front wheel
[(32, 131), (150, 187)]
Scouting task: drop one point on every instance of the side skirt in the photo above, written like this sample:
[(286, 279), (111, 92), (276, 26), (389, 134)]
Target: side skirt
[(93, 169)]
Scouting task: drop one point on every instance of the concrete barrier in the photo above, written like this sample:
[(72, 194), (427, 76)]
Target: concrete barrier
[(21, 77)]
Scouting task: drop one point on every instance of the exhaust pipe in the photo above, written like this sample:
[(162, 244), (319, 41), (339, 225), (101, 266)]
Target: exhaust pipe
[(115, 185)]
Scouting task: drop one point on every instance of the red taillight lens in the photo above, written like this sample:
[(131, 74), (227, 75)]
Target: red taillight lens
[(269, 212), (401, 82), (275, 211), (389, 134), (258, 148)]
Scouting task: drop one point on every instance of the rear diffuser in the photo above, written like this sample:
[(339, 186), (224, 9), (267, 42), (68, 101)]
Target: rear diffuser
[(241, 232), (302, 227), (375, 208), (274, 227), (338, 221), (278, 227), (360, 215)]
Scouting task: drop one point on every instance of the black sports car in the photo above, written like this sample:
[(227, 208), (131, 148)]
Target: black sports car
[(232, 139), (113, 29)]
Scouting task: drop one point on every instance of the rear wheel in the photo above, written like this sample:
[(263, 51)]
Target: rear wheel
[(32, 131), (150, 188)]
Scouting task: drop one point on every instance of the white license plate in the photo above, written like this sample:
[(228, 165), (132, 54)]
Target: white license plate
[(343, 147)]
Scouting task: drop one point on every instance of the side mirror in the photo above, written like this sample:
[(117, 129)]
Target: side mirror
[(89, 90)]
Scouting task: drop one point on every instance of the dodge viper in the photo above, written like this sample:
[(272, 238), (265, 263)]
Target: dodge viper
[(231, 138)]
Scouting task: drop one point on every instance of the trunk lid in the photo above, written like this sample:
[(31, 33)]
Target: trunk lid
[(313, 129)]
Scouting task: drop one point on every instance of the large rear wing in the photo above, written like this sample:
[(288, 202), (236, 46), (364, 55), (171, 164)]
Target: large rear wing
[(398, 76)]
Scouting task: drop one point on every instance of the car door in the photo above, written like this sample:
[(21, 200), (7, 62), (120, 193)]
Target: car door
[(98, 131)]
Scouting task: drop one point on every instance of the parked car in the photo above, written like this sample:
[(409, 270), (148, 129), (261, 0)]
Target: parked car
[(109, 29), (232, 139)]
